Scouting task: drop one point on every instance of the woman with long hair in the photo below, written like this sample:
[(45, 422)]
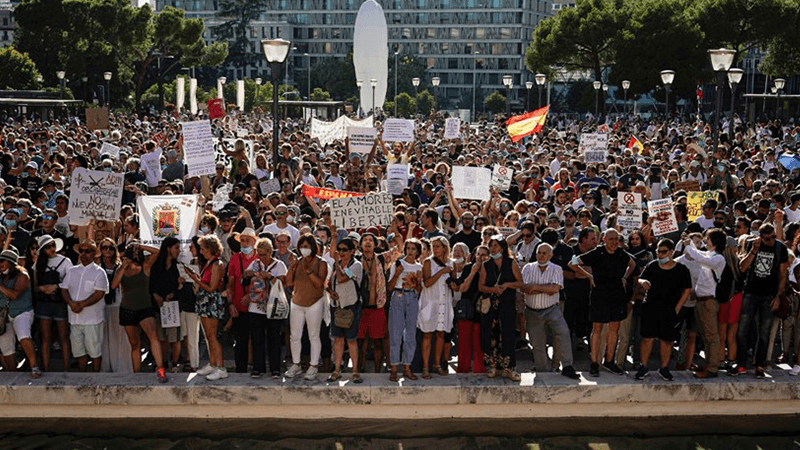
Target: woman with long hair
[(405, 283), (436, 303), (15, 292), (469, 328), (164, 288), (116, 348), (343, 289), (49, 271), (210, 304), (136, 312), (499, 278)]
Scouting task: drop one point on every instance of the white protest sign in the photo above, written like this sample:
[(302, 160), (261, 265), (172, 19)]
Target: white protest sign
[(506, 231), (170, 315), (593, 142), (398, 130), (271, 185), (397, 178), (221, 196), (183, 273), (451, 128), (168, 215), (501, 177), (110, 149), (629, 216), (327, 132), (361, 139), (471, 182), (364, 211), (198, 147), (594, 156), (664, 220), (151, 162), (95, 194)]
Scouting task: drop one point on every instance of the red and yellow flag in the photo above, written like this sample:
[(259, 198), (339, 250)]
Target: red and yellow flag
[(527, 124), (327, 194), (635, 143)]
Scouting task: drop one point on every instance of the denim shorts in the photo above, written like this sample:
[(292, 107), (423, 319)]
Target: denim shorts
[(51, 310)]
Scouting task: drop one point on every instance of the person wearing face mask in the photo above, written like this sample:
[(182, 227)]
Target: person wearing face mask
[(470, 355), (49, 187), (282, 224), (239, 302), (19, 235), (31, 181), (543, 282), (668, 285)]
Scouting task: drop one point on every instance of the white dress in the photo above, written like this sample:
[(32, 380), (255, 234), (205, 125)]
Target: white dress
[(436, 304)]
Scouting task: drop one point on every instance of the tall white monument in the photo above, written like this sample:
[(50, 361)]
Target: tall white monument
[(371, 53)]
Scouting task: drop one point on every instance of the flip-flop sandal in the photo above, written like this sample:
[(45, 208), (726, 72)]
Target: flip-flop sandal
[(357, 379), (426, 374)]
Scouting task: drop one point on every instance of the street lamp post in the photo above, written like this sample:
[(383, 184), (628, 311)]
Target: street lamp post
[(258, 88), (374, 83), (721, 61), (779, 84), (667, 77), (359, 83), (415, 83), (734, 77), (596, 85), (60, 75), (626, 84), (508, 81), (85, 81), (275, 50), (540, 80), (474, 84), (435, 83), (309, 76), (528, 86), (107, 77), (605, 97), (395, 83)]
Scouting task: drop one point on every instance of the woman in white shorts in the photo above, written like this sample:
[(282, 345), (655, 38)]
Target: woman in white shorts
[(15, 292)]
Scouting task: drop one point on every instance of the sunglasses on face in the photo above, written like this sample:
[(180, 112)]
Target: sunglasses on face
[(342, 249), (86, 251), (106, 247), (280, 213), (526, 235), (49, 246)]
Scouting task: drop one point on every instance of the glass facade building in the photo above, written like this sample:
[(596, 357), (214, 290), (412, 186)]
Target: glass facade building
[(465, 43)]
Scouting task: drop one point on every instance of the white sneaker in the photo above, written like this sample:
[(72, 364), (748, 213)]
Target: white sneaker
[(205, 370), (218, 373), (795, 370), (294, 371), (311, 373)]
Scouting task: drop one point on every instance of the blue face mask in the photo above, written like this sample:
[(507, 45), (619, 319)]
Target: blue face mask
[(497, 255), (163, 167), (543, 264), (10, 223), (663, 260), (247, 250), (205, 230)]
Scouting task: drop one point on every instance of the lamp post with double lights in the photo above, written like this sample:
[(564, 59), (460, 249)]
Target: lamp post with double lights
[(415, 83), (85, 81), (435, 83), (107, 77), (508, 81), (275, 50), (374, 83), (474, 84), (734, 77), (308, 79), (359, 84), (721, 61), (540, 80), (626, 84), (60, 75), (779, 85), (395, 83), (596, 85), (667, 77), (528, 86)]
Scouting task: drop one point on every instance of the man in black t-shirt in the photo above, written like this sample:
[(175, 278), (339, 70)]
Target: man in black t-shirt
[(467, 235), (31, 182), (668, 285), (765, 268)]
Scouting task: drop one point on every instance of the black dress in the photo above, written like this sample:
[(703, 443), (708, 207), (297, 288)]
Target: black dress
[(498, 326)]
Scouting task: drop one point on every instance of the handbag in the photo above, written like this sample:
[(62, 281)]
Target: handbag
[(342, 317), (277, 304), (485, 302), (784, 309)]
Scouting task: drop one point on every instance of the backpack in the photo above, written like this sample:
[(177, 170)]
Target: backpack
[(724, 290)]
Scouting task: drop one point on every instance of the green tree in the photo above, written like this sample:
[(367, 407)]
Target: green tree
[(425, 102), (408, 67), (238, 14), (337, 76), (783, 51), (405, 105), (581, 38), (495, 102), (318, 95), (18, 69)]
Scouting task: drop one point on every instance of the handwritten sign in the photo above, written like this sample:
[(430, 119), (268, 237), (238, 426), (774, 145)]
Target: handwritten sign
[(151, 162), (268, 186), (366, 211), (451, 128), (694, 203), (501, 177), (95, 194), (471, 182), (198, 147), (110, 149), (397, 178), (170, 315), (594, 156), (593, 142), (506, 231), (361, 139), (687, 186), (398, 130), (664, 220), (630, 210)]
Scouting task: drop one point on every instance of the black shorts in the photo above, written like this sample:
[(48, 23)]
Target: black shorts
[(687, 316), (660, 321), (608, 306), (131, 318)]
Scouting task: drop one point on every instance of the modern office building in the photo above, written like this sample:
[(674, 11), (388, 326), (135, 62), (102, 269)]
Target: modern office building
[(6, 24), (468, 44)]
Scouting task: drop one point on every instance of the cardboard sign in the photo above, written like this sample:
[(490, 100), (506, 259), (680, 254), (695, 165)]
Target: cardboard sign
[(198, 147), (151, 162), (269, 186), (361, 139), (95, 194), (397, 178), (371, 210), (471, 182), (629, 214), (594, 156), (398, 130), (452, 127), (170, 315), (664, 220), (687, 186), (593, 142), (502, 177), (97, 118), (216, 108), (694, 203)]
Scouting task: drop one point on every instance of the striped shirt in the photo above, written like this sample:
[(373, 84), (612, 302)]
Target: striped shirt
[(532, 274)]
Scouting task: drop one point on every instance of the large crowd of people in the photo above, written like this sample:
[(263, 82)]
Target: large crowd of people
[(543, 266)]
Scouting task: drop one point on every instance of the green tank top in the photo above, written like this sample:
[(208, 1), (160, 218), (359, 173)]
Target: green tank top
[(136, 292)]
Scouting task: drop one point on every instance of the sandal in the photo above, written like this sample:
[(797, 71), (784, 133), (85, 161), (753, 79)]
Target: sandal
[(36, 373), (407, 373), (357, 378), (335, 376), (393, 374), (426, 374), (442, 372), (491, 373)]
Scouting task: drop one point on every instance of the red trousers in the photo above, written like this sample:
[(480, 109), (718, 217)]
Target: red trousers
[(469, 347)]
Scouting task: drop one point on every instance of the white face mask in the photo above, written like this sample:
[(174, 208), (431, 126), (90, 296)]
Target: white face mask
[(305, 252), (458, 260)]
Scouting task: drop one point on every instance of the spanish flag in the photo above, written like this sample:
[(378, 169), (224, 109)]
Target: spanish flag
[(527, 124), (635, 143)]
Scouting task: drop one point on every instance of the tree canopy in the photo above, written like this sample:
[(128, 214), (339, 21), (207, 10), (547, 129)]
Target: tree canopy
[(18, 69)]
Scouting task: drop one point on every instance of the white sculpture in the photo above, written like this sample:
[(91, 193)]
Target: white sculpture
[(371, 53)]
